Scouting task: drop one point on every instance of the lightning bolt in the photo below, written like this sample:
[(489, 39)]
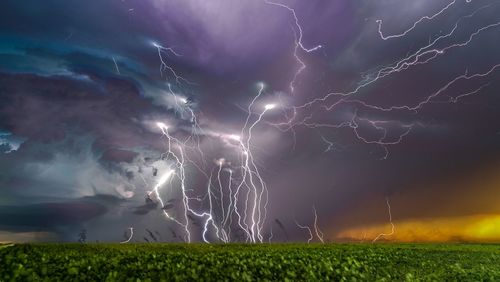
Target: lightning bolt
[(225, 199), (422, 19), (271, 236), (304, 115), (311, 236), (390, 221), (235, 191), (433, 95), (332, 146), (116, 66), (164, 66), (299, 44), (131, 235), (318, 232)]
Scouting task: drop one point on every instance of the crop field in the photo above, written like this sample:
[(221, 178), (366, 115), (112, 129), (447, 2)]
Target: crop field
[(237, 262)]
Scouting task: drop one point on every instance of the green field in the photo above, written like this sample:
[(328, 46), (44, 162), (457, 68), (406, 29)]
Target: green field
[(236, 262)]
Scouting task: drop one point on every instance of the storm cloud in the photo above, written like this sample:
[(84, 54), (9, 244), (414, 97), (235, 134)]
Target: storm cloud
[(82, 87)]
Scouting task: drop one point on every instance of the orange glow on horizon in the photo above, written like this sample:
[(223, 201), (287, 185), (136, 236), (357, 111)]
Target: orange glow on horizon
[(478, 228)]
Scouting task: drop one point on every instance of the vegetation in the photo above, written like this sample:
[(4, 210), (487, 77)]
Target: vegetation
[(236, 262)]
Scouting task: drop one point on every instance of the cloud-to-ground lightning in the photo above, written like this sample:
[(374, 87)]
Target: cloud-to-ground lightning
[(235, 191), (390, 221), (311, 236), (221, 120), (131, 235), (317, 230)]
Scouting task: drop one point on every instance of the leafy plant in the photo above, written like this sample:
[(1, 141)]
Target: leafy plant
[(237, 262)]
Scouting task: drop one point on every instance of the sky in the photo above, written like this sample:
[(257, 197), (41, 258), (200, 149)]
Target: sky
[(249, 120)]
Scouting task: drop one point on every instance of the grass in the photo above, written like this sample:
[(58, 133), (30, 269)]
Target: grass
[(236, 262)]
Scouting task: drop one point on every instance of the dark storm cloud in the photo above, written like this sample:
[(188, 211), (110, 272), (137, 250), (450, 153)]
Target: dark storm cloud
[(73, 117), (73, 114), (116, 155), (147, 207), (41, 108), (52, 215), (226, 35)]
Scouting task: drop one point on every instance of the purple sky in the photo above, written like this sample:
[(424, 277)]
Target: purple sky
[(82, 87)]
